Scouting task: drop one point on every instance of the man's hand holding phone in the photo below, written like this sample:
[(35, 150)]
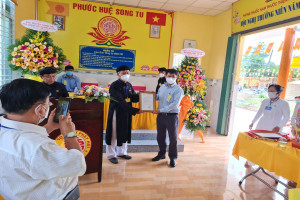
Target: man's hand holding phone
[(66, 125)]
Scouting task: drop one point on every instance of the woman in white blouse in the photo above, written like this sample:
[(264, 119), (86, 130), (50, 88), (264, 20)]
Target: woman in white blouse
[(273, 113), (295, 120)]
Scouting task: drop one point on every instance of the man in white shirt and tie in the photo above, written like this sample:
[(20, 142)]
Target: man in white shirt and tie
[(33, 166)]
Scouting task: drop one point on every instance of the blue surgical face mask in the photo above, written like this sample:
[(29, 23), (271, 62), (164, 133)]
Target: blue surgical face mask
[(69, 73), (296, 102)]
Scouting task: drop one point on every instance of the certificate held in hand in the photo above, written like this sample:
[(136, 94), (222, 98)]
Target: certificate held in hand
[(147, 101)]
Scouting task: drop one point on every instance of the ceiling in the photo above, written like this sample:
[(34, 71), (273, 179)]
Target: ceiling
[(202, 7)]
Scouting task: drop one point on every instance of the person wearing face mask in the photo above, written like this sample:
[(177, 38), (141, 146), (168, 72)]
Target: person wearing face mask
[(169, 97), (118, 131), (162, 78), (33, 166), (273, 113), (297, 99), (48, 74), (69, 79)]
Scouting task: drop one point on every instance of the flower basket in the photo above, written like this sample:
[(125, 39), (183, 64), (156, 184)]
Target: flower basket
[(192, 80), (91, 92), (34, 51)]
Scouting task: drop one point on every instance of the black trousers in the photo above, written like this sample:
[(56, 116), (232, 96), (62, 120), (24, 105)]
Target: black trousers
[(167, 122)]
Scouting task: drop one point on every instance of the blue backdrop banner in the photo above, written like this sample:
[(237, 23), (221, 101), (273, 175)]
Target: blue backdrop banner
[(91, 57)]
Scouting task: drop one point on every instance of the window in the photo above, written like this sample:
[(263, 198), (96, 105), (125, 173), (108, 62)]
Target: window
[(7, 12)]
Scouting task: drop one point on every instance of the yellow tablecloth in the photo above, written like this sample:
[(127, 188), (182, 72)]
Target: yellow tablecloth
[(294, 194), (141, 121), (284, 162)]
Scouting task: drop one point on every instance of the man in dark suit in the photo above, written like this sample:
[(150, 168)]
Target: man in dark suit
[(162, 79), (48, 74), (118, 131)]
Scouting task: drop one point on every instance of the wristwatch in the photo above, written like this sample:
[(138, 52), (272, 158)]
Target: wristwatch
[(70, 135)]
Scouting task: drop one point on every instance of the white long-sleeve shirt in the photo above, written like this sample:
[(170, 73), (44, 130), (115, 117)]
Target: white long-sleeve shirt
[(33, 166), (294, 117), (268, 118)]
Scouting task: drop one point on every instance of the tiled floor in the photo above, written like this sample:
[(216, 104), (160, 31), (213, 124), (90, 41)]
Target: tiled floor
[(205, 171)]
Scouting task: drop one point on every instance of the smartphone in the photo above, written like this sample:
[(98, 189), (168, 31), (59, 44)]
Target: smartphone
[(62, 108)]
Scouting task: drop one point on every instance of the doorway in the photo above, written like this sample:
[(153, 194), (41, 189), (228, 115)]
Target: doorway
[(260, 56)]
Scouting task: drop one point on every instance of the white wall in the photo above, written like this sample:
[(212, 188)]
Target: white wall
[(212, 100)]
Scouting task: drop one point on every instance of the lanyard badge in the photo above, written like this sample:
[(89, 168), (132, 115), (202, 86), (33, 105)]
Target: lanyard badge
[(268, 108), (169, 98)]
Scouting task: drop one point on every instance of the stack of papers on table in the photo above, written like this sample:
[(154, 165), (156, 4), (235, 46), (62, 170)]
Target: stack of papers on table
[(268, 135)]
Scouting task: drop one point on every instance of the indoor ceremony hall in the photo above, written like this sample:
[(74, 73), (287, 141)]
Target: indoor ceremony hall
[(150, 100)]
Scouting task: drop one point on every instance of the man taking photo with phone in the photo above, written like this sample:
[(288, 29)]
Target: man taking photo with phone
[(33, 166)]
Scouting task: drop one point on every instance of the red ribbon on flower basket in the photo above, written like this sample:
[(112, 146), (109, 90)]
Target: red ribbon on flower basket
[(253, 134)]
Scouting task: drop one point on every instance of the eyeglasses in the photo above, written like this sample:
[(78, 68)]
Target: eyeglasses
[(50, 77)]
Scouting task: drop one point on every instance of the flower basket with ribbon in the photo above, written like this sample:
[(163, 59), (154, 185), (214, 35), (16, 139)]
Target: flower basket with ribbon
[(193, 113)]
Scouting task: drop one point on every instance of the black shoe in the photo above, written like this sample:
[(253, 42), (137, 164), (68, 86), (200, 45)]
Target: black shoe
[(158, 157), (127, 157), (173, 163), (114, 160)]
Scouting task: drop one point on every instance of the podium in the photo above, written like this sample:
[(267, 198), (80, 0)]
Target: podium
[(88, 119)]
